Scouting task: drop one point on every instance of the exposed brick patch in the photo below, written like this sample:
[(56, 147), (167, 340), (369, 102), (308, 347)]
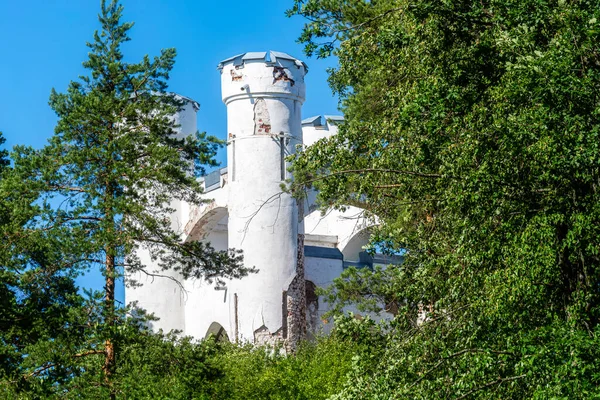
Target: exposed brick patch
[(236, 76), (296, 303), (263, 337), (279, 74), (262, 119)]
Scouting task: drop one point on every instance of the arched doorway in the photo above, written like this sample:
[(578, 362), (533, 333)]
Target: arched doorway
[(218, 332)]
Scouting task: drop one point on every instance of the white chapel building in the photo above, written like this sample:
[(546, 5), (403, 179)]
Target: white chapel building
[(294, 246)]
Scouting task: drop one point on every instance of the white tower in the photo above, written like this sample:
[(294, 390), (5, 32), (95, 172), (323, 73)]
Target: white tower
[(264, 93), (163, 295)]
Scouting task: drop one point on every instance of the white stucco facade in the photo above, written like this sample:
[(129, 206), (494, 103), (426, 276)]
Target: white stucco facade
[(293, 246)]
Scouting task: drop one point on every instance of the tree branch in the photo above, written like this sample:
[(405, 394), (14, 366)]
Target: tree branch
[(457, 354), (492, 383), (390, 171)]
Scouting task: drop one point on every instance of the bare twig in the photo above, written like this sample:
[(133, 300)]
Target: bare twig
[(254, 214)]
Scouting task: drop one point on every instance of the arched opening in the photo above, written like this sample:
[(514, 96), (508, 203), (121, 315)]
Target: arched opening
[(355, 252), (218, 332), (356, 245), (204, 221)]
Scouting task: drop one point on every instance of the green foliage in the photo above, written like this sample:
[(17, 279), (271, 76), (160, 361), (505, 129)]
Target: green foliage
[(116, 164), (472, 132), (149, 365), (316, 371), (168, 367)]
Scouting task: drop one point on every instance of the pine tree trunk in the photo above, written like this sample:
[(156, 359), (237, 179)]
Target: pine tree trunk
[(109, 312)]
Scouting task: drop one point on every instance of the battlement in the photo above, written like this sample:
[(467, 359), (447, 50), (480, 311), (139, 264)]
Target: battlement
[(270, 58), (264, 75)]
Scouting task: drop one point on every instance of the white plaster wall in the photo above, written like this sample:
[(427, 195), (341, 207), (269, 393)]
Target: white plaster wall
[(160, 296), (186, 118), (262, 220), (356, 245), (313, 133), (218, 238), (187, 121), (322, 272), (205, 305)]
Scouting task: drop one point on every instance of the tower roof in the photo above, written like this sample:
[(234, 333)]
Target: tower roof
[(186, 99), (177, 96), (318, 121), (269, 57)]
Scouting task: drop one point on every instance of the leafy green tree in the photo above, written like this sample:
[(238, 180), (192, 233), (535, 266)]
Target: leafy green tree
[(472, 132), (37, 298), (107, 180)]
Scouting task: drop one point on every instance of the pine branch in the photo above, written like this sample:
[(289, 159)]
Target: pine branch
[(48, 366)]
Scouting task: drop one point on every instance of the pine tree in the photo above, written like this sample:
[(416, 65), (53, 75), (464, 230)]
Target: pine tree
[(111, 171), (3, 154)]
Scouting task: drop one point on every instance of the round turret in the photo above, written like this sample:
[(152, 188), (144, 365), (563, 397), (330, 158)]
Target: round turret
[(264, 93)]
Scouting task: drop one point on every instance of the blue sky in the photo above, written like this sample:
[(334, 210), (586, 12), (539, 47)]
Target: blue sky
[(42, 43)]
